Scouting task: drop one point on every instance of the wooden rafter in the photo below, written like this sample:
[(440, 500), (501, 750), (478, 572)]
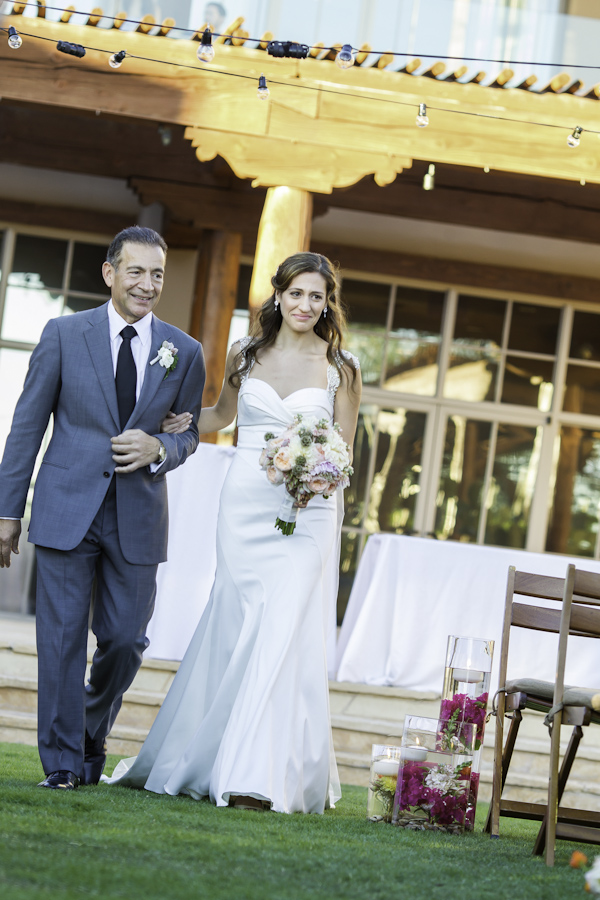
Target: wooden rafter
[(312, 139)]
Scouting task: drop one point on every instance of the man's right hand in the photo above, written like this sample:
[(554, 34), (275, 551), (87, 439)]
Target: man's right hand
[(10, 531)]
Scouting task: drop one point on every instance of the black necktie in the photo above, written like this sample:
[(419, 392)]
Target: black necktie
[(126, 377)]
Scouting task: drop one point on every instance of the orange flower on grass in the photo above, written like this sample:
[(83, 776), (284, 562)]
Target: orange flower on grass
[(578, 860)]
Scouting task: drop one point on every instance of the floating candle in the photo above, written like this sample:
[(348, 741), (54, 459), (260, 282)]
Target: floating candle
[(414, 753), (467, 676)]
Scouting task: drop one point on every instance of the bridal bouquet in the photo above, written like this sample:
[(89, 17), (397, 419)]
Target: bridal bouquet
[(310, 457)]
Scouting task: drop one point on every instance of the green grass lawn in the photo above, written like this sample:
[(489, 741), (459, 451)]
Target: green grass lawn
[(116, 842)]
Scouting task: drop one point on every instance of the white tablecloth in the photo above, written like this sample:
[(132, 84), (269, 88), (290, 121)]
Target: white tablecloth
[(184, 582), (410, 593)]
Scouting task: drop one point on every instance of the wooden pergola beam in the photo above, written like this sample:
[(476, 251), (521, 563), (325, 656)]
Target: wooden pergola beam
[(360, 121)]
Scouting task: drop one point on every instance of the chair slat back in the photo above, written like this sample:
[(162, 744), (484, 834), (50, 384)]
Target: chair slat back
[(587, 588)]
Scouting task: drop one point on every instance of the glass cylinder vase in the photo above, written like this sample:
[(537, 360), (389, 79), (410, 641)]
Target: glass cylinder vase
[(434, 776), (465, 696), (385, 759)]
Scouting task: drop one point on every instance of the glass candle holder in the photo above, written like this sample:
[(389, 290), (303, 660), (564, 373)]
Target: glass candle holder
[(465, 694), (434, 775), (383, 776)]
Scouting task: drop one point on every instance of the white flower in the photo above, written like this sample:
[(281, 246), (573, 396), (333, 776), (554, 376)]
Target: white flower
[(166, 355), (443, 779), (592, 878)]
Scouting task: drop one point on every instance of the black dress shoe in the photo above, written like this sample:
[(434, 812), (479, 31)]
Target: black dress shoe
[(94, 760), (61, 780)]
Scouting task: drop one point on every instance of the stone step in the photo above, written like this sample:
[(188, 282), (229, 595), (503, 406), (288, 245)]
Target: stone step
[(361, 716)]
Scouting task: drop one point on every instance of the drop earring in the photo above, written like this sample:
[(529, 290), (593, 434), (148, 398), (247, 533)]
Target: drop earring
[(276, 303), (324, 312)]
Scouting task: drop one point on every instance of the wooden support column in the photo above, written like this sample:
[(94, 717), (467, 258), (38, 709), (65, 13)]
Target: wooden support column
[(214, 303), (284, 229)]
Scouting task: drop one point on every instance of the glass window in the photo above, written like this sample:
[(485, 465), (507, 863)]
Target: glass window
[(576, 507), (582, 390), (458, 502), (26, 312), (585, 337), (472, 373), (86, 269), (534, 329), (354, 496), (511, 488), (367, 304), (480, 321), (1, 250), (38, 262), (413, 346), (528, 382), (396, 482)]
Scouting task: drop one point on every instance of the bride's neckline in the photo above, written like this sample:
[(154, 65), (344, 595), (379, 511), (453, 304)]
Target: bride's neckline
[(291, 394)]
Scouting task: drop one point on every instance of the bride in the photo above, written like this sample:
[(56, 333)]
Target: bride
[(246, 720)]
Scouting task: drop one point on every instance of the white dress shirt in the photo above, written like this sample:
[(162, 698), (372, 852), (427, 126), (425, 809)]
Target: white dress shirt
[(140, 345)]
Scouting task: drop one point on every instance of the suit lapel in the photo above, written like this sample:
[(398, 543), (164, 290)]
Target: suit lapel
[(153, 374), (98, 341)]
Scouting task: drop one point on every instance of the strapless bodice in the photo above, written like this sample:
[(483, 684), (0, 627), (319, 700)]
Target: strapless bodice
[(261, 409)]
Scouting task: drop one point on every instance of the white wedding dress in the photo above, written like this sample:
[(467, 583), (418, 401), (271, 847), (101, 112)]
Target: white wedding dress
[(248, 711)]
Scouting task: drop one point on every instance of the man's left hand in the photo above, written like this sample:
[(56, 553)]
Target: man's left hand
[(133, 450)]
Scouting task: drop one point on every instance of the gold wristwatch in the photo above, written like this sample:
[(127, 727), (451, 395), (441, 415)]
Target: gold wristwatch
[(162, 452)]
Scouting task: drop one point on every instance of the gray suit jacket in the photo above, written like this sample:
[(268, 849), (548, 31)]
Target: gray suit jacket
[(71, 377)]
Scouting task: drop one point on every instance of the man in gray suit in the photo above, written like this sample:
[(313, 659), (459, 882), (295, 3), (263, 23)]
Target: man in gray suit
[(108, 377)]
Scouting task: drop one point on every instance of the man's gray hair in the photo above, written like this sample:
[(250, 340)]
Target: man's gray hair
[(133, 235)]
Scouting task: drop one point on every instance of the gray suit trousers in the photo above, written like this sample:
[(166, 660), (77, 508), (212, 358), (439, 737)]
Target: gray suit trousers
[(124, 603)]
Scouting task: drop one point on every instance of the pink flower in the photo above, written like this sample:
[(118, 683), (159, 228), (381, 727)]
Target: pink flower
[(274, 475), (283, 459), (318, 485), (264, 458)]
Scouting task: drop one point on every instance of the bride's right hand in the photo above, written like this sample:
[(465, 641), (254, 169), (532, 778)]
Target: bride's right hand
[(172, 424)]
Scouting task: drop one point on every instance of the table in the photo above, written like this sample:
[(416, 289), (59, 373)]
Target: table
[(410, 593), (184, 582)]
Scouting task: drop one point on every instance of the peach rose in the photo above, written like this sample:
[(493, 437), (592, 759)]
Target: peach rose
[(274, 475), (283, 460), (318, 485)]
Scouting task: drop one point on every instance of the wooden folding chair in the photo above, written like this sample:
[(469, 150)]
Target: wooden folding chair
[(578, 613)]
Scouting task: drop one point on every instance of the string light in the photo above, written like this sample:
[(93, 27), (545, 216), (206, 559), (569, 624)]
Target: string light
[(574, 139), (318, 47), (71, 49), (206, 51), (345, 57), (429, 178), (422, 118), (14, 38), (116, 60), (263, 91)]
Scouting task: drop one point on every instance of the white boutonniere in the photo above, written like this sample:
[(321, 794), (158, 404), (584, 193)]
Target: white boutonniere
[(166, 357)]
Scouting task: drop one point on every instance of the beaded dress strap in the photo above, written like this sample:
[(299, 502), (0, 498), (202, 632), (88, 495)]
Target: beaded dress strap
[(333, 375)]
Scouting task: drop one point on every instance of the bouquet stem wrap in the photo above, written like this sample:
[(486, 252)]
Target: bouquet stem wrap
[(286, 517)]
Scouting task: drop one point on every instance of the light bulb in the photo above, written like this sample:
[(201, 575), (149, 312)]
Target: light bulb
[(422, 118), (574, 139), (116, 60), (263, 91), (429, 178), (345, 57), (14, 38), (206, 51)]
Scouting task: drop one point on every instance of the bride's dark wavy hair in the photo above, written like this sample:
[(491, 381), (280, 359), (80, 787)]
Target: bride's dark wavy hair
[(331, 327)]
